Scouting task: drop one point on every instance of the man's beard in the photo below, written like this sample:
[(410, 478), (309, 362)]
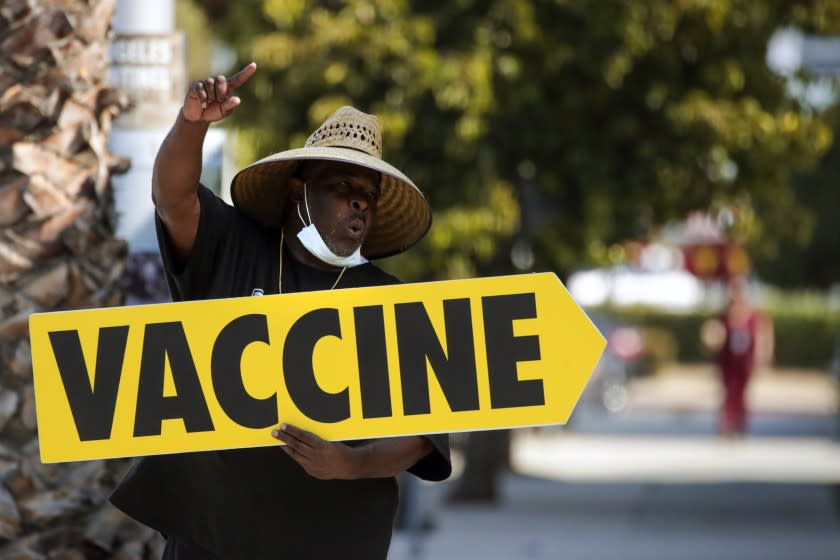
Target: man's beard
[(338, 250), (332, 246)]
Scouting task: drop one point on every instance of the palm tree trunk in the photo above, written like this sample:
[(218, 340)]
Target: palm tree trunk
[(57, 251)]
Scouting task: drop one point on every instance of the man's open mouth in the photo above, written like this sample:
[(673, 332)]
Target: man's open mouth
[(356, 226)]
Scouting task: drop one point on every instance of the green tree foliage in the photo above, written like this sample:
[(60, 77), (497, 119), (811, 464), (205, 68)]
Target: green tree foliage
[(611, 116), (192, 21), (810, 259)]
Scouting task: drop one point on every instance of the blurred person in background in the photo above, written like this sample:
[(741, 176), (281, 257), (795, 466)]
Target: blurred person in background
[(741, 340)]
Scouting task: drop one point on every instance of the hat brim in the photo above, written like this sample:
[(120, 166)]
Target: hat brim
[(403, 215)]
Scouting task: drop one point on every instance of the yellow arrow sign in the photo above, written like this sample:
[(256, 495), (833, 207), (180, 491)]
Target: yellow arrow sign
[(348, 364)]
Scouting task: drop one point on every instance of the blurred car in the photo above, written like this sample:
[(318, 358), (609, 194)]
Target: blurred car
[(621, 361)]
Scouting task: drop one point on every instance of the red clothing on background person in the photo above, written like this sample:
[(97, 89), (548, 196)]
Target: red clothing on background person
[(736, 360)]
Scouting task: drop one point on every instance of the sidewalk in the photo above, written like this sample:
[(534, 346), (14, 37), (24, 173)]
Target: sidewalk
[(696, 387), (670, 459), (655, 481), (667, 433), (541, 519)]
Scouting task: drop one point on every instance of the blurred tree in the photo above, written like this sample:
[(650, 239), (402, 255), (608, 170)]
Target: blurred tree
[(810, 259), (191, 20), (598, 119), (623, 114)]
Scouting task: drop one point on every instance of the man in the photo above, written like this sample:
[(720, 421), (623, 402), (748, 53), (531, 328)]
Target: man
[(305, 219)]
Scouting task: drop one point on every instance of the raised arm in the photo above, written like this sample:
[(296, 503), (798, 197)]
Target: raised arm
[(178, 164)]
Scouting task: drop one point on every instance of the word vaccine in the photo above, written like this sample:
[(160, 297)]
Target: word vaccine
[(349, 364)]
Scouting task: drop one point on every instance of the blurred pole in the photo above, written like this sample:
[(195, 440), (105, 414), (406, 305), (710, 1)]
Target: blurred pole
[(486, 458), (487, 453), (148, 61), (530, 217)]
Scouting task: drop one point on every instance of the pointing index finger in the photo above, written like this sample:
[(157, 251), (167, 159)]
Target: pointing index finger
[(242, 76)]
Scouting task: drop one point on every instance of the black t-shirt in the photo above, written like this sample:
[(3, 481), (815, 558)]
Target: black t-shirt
[(258, 503)]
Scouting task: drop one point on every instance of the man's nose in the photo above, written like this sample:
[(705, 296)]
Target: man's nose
[(359, 203)]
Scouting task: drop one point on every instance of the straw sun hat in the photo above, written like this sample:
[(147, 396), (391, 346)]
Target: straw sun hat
[(403, 215)]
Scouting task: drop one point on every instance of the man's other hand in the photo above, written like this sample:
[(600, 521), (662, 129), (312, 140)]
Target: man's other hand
[(320, 458), (210, 100)]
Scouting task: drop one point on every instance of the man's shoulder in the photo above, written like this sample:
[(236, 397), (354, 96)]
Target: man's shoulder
[(375, 276), (216, 206)]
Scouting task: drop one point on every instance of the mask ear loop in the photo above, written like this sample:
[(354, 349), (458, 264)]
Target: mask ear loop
[(300, 216), (306, 204), (280, 279)]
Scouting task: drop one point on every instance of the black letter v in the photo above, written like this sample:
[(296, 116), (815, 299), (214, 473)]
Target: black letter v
[(92, 408)]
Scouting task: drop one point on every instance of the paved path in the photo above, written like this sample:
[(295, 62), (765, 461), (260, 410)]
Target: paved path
[(654, 482), (541, 519), (677, 459), (696, 387)]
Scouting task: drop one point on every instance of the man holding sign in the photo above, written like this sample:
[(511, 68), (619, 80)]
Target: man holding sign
[(304, 219)]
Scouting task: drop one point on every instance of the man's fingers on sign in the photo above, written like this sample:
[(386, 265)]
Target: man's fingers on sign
[(320, 458), (210, 100), (298, 442)]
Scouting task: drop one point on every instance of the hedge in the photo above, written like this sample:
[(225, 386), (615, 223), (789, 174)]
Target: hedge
[(801, 339)]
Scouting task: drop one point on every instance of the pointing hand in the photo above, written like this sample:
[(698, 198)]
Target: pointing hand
[(210, 100)]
